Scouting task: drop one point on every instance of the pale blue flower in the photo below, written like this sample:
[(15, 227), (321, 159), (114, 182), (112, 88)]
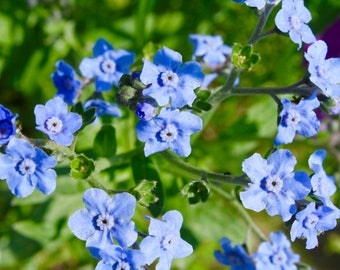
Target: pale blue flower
[(104, 220), (274, 185), (259, 4), (107, 65), (324, 73), (103, 107), (276, 254), (292, 18), (170, 129), (7, 125), (312, 220), (25, 168), (297, 118), (164, 240), (169, 81)]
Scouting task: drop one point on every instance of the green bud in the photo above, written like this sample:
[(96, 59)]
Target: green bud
[(196, 191), (125, 94), (82, 167), (243, 57), (143, 192)]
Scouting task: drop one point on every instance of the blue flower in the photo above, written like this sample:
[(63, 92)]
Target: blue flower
[(259, 4), (311, 221), (146, 111), (103, 107), (104, 220), (169, 80), (7, 125), (64, 79), (297, 118), (116, 257), (54, 120), (107, 65), (25, 168), (211, 48), (164, 240), (324, 73), (274, 186), (235, 257), (293, 18), (170, 129), (276, 254)]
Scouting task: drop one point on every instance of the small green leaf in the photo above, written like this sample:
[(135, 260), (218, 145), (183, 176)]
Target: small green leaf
[(205, 106), (82, 167), (89, 116), (105, 144), (203, 94)]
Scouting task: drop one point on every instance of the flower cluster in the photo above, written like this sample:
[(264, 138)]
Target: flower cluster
[(111, 236)]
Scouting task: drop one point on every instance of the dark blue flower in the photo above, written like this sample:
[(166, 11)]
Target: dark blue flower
[(274, 186), (170, 81), (164, 240), (276, 254), (324, 73), (116, 257), (107, 65), (54, 120), (297, 118), (235, 257), (64, 79), (211, 48), (104, 220), (170, 129), (25, 168), (293, 18), (7, 125), (103, 107), (311, 221)]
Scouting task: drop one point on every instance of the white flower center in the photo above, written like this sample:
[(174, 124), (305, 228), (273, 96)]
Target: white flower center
[(295, 22), (27, 166), (54, 125), (293, 118), (274, 184), (108, 66), (311, 221), (279, 258), (169, 78), (122, 265), (169, 133), (167, 241), (105, 222)]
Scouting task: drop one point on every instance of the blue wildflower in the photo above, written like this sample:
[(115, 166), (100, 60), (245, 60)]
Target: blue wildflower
[(54, 120), (297, 118), (117, 257), (235, 257), (293, 18), (104, 220), (103, 107), (107, 65), (7, 125), (259, 4), (274, 186), (211, 48), (64, 79), (311, 221), (324, 73), (164, 240), (169, 80), (170, 129), (146, 110), (25, 168), (276, 254)]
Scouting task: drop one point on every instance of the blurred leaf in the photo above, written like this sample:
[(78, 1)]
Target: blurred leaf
[(105, 144)]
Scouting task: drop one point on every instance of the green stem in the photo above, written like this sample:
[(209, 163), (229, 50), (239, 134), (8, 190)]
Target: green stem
[(180, 167), (240, 91), (240, 210)]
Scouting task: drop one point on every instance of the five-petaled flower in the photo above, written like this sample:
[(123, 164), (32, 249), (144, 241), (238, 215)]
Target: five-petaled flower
[(64, 79), (54, 120), (293, 18), (311, 221), (324, 73), (276, 254), (169, 81), (274, 186), (164, 240), (235, 257), (170, 129), (297, 118), (107, 65), (120, 258), (104, 220), (25, 168), (7, 125)]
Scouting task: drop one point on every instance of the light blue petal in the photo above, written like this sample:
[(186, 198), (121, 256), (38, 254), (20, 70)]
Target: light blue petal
[(96, 201), (122, 206), (46, 181), (150, 246), (256, 168), (81, 224), (168, 58), (89, 67), (125, 233), (254, 199), (149, 75), (283, 162), (181, 146), (72, 122), (182, 249), (19, 185)]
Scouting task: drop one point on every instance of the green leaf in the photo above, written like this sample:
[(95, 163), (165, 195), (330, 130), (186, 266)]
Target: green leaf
[(203, 94), (105, 144), (205, 106), (143, 168)]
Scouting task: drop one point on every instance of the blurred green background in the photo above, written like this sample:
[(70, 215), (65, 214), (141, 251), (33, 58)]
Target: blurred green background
[(35, 34)]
